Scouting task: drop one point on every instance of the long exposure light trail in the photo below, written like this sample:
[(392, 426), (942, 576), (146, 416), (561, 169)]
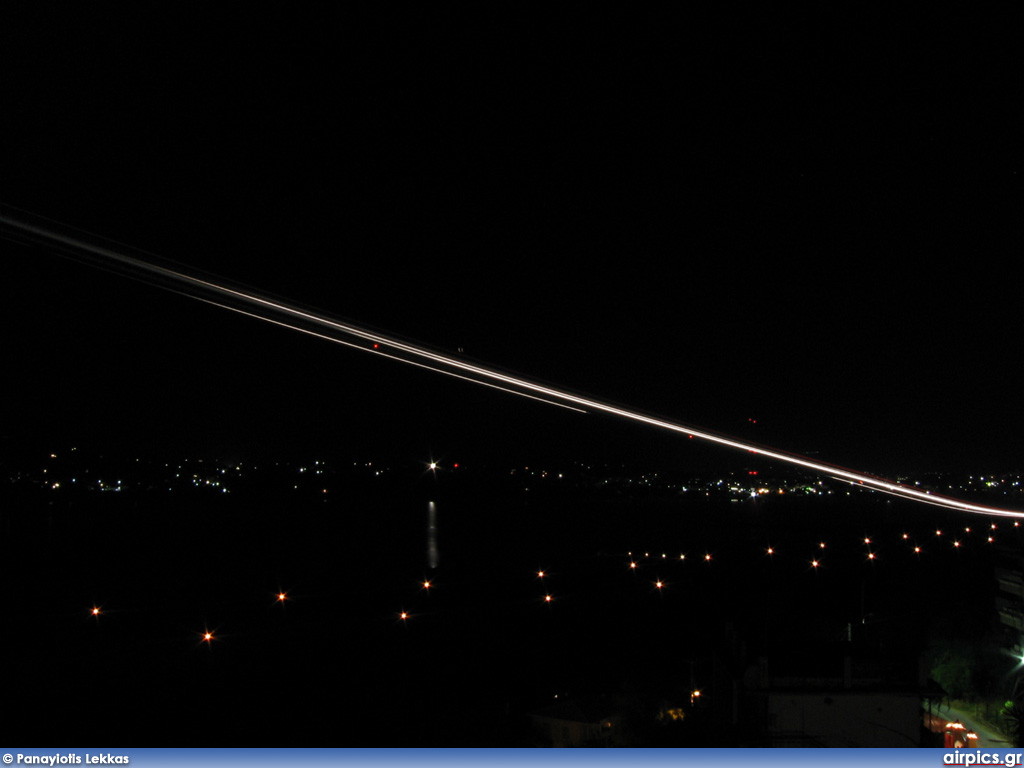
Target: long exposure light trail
[(267, 309), (381, 353)]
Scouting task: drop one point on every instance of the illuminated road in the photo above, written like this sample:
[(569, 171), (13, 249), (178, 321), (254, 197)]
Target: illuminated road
[(245, 301)]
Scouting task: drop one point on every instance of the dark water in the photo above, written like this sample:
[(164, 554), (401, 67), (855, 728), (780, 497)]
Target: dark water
[(335, 665)]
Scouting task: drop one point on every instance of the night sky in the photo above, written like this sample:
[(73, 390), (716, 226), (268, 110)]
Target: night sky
[(813, 222)]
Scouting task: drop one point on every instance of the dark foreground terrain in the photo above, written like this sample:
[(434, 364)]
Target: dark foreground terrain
[(334, 664)]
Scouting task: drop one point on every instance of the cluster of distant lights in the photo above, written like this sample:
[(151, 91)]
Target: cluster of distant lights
[(635, 561), (212, 479), (817, 560)]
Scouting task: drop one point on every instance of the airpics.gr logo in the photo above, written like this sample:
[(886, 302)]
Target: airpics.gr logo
[(977, 757)]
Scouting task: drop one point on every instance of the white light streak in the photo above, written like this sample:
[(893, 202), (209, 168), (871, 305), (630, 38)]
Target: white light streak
[(262, 308)]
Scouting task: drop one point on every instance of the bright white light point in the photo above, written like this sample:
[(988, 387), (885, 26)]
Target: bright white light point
[(956, 543), (403, 615), (871, 555), (771, 551), (659, 584), (632, 565), (822, 545), (433, 465), (95, 611), (938, 533), (207, 636), (281, 596), (707, 557), (540, 574), (426, 585), (547, 598), (814, 563), (867, 540), (906, 536)]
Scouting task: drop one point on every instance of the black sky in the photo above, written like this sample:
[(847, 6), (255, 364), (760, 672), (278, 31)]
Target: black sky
[(811, 221)]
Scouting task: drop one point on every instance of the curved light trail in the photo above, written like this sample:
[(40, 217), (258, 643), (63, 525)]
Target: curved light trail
[(273, 311)]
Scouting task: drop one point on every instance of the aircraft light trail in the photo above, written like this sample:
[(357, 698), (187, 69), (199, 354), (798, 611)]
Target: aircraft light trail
[(276, 311)]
